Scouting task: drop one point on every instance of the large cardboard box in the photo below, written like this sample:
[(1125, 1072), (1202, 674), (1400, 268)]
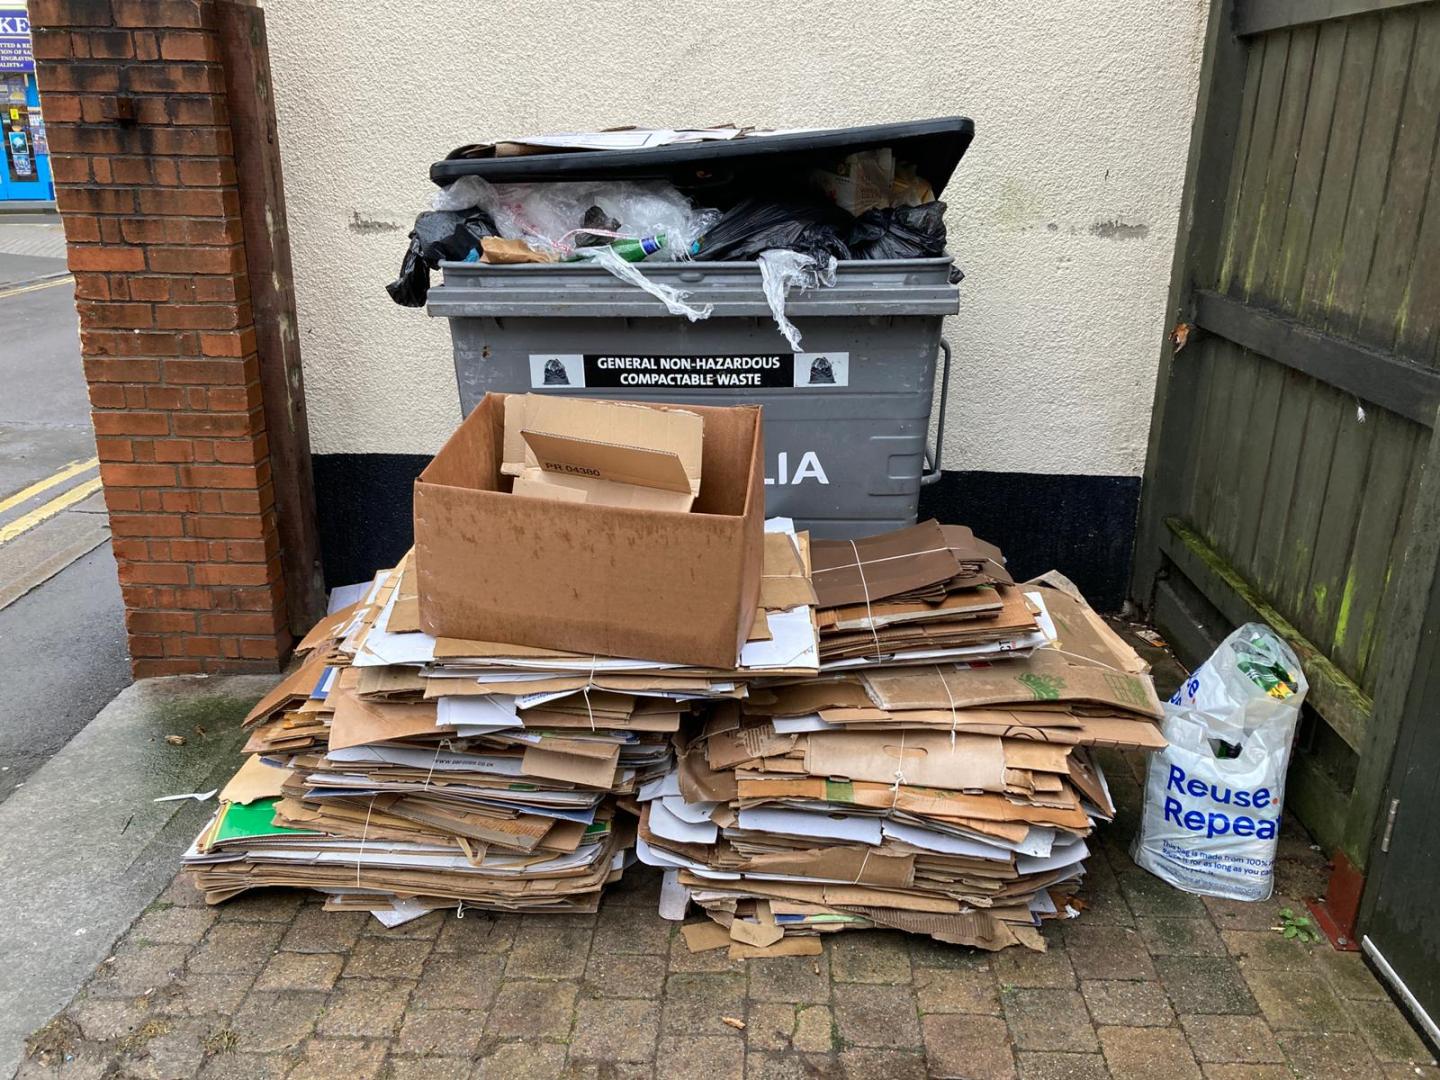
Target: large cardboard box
[(614, 581)]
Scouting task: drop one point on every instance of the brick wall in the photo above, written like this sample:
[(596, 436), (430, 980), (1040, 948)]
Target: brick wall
[(145, 176)]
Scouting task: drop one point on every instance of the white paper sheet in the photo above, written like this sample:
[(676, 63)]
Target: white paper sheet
[(495, 711), (695, 813), (793, 643), (665, 824), (791, 725), (342, 596), (1060, 857), (669, 784), (855, 828), (382, 648), (945, 844), (674, 897)]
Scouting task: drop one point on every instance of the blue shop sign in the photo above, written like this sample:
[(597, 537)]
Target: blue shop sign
[(15, 51)]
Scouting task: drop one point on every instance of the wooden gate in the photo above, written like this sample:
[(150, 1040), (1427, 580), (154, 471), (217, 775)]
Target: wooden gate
[(1292, 476)]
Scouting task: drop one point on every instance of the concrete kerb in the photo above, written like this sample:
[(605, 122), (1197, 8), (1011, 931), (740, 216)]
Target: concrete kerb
[(84, 848)]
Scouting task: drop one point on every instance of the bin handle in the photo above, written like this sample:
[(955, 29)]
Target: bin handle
[(932, 456)]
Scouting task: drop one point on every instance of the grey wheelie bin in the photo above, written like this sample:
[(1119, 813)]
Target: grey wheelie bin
[(846, 419)]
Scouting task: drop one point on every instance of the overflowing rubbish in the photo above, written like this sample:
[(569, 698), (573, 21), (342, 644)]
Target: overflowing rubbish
[(829, 735), (857, 205), (1214, 796), (872, 179), (651, 219)]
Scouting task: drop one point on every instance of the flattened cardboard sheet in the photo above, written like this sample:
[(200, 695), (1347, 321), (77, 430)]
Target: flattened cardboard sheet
[(876, 567), (1045, 678), (921, 759), (786, 946)]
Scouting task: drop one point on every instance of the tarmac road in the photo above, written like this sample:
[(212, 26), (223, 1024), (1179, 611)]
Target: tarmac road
[(62, 636)]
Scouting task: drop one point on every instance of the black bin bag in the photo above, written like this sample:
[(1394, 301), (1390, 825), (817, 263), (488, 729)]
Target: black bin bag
[(755, 225), (439, 236), (900, 232)]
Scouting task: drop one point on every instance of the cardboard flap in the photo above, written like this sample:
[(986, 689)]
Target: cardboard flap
[(255, 780), (571, 455), (1045, 680), (527, 488), (361, 721), (615, 423)]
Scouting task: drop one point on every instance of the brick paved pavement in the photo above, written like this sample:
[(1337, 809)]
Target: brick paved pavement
[(1149, 982)]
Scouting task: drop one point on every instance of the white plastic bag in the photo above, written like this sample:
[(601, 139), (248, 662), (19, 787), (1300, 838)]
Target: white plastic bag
[(673, 298), (551, 217), (781, 270), (1213, 798)]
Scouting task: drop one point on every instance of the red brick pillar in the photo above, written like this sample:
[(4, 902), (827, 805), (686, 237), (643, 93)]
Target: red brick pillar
[(145, 177)]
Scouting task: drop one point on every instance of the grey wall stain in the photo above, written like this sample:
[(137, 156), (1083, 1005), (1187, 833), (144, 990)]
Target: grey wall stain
[(1115, 229), (370, 225)]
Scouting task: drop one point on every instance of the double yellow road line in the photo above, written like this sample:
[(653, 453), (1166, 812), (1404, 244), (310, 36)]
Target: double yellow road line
[(48, 283), (67, 498)]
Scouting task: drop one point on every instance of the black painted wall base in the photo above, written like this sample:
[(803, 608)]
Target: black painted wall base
[(364, 505), (1083, 526)]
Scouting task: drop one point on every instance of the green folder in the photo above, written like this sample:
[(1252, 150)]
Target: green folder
[(248, 821)]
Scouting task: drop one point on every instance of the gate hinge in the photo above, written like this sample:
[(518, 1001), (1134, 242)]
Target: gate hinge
[(1389, 826)]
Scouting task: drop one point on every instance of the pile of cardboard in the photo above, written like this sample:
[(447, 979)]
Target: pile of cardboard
[(929, 592), (598, 650), (936, 778), (365, 785), (398, 770)]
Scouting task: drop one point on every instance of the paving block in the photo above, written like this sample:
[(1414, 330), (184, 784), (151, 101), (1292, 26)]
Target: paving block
[(1045, 1065), (1329, 1055), (1166, 936), (704, 1058), (1127, 1004), (1107, 952), (957, 990), (533, 1010), (615, 1031), (788, 978), (968, 1047), (696, 1004), (1231, 1039), (1048, 1019), (1148, 1054), (1298, 1001), (1205, 984), (868, 1015), (875, 957)]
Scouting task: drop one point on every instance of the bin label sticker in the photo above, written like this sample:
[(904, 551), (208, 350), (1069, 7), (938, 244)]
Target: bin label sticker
[(673, 372)]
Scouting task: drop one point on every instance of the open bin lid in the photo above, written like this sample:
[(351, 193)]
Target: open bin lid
[(933, 147)]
